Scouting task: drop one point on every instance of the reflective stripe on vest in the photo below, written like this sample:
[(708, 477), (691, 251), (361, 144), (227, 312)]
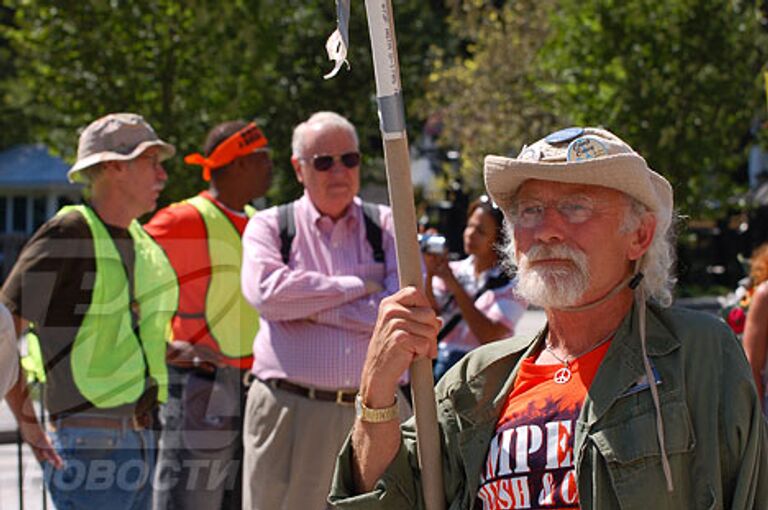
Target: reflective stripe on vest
[(231, 321), (108, 360)]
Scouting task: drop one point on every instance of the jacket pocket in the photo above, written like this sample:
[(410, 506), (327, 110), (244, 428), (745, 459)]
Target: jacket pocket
[(632, 456)]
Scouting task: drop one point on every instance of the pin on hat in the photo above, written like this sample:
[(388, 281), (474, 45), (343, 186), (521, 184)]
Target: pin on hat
[(586, 147), (116, 137)]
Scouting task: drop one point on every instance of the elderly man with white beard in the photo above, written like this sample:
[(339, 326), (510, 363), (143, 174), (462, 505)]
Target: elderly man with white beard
[(621, 401)]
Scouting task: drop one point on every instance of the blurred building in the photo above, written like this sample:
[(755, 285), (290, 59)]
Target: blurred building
[(33, 186)]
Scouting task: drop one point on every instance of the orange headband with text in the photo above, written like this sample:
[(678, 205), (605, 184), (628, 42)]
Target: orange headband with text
[(244, 142)]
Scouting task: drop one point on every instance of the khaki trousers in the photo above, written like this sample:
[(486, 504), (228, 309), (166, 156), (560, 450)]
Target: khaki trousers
[(291, 444)]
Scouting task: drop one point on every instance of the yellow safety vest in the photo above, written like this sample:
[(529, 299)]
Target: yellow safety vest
[(232, 322), (109, 362)]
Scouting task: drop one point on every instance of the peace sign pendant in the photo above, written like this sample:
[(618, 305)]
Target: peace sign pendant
[(562, 376)]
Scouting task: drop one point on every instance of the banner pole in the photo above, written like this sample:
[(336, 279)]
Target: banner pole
[(397, 160)]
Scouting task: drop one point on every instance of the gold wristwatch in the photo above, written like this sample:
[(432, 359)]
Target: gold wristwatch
[(370, 415)]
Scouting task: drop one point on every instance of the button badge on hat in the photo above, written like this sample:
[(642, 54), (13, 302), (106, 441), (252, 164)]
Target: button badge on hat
[(564, 135), (586, 147)]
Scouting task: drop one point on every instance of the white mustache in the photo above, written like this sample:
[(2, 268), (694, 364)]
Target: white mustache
[(556, 251)]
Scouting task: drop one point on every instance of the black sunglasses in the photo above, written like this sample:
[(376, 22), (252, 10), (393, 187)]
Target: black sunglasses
[(325, 162)]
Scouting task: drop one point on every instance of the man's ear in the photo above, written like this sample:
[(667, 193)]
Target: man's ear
[(642, 237), (111, 168), (297, 168)]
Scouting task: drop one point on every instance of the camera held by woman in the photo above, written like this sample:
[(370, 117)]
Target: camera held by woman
[(474, 296)]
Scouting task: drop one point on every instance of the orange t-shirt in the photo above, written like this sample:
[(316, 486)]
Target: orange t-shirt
[(530, 462)]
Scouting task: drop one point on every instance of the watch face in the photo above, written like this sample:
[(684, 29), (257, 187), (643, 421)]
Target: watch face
[(358, 406)]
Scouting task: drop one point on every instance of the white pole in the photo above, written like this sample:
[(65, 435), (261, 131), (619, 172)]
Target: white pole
[(392, 118)]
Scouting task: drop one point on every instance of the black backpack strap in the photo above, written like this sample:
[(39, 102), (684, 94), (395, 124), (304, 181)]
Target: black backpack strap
[(490, 284), (373, 230), (287, 226)]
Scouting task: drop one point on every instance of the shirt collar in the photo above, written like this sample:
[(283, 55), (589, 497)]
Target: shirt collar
[(351, 217)]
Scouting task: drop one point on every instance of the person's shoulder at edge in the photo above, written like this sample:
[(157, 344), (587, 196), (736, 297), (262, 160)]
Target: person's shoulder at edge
[(760, 295), (9, 351)]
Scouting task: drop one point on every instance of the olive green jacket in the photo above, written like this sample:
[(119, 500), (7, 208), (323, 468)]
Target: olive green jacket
[(716, 439)]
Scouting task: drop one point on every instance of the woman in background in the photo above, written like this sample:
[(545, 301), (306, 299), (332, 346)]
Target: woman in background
[(474, 296), (756, 329)]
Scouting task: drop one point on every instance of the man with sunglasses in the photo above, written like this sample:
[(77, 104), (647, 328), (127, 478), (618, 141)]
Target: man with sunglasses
[(621, 401), (318, 309), (200, 454)]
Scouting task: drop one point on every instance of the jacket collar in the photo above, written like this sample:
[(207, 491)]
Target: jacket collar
[(485, 391)]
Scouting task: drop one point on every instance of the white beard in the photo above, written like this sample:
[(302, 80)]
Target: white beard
[(553, 286)]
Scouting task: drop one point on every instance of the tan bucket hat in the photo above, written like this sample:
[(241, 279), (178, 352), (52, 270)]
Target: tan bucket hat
[(581, 156), (116, 137)]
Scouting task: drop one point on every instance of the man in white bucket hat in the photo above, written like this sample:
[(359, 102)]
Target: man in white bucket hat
[(99, 295), (621, 401)]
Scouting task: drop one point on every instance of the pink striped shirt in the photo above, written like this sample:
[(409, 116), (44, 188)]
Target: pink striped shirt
[(316, 319)]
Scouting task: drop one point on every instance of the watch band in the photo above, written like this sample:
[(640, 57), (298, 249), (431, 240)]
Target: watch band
[(371, 415)]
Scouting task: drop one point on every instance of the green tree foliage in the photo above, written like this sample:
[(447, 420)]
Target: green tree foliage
[(13, 125), (188, 65), (679, 80), (490, 97)]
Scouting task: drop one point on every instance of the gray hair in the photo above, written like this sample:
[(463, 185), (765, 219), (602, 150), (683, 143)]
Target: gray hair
[(657, 265), (325, 118), (88, 176)]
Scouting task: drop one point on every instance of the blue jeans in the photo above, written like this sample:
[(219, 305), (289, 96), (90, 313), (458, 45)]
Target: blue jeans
[(103, 468)]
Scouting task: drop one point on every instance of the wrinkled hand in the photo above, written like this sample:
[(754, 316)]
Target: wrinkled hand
[(406, 329), (183, 354), (34, 435)]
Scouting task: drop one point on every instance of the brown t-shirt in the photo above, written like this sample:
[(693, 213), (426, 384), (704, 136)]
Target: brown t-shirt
[(51, 285)]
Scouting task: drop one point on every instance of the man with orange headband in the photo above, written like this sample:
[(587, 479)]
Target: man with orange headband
[(200, 455)]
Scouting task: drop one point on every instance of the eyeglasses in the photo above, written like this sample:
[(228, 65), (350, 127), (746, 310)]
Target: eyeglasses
[(324, 162), (574, 210)]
